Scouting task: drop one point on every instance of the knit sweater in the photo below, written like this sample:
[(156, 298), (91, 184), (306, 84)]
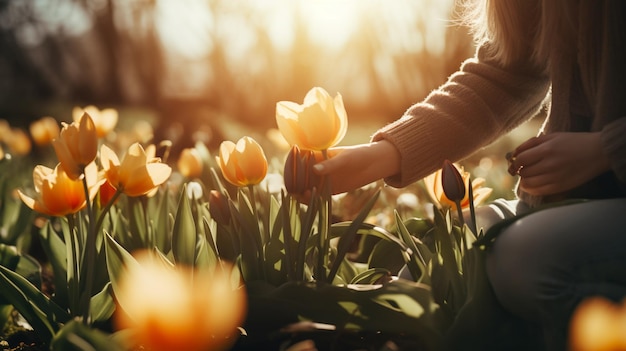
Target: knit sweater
[(485, 100)]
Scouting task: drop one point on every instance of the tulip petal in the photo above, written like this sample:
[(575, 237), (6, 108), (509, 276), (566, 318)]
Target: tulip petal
[(146, 178), (33, 204), (67, 160), (88, 140)]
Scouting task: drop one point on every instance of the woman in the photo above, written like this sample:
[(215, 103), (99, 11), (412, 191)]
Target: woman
[(570, 55)]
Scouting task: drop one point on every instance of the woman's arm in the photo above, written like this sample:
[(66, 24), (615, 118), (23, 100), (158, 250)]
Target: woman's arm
[(478, 104)]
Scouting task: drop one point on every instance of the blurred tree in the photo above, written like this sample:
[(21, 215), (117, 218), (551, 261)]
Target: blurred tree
[(195, 62)]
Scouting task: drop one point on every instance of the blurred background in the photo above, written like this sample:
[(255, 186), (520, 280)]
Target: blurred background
[(189, 60), (214, 69)]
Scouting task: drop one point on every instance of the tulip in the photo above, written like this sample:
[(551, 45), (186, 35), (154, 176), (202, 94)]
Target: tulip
[(194, 191), (244, 163), (58, 194), (76, 146), (598, 324), (172, 308), (44, 130), (104, 120), (319, 123), (106, 193), (190, 163), (298, 173), (137, 174), (219, 207), (17, 141), (456, 188), (453, 183)]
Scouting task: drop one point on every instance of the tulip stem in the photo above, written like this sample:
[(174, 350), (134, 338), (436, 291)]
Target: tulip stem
[(107, 208), (471, 207), (459, 212), (90, 255), (325, 222), (259, 237)]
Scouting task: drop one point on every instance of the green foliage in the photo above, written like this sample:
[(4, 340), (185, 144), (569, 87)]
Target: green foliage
[(287, 253)]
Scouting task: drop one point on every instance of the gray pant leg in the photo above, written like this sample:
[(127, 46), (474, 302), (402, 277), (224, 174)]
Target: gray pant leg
[(544, 264)]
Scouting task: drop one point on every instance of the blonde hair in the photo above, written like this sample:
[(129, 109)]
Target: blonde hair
[(519, 29)]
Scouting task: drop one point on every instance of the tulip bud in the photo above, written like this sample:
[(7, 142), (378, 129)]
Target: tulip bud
[(452, 182), (194, 190), (299, 175), (243, 163), (44, 130), (190, 163), (219, 207)]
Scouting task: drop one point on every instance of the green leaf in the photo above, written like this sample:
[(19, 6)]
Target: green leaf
[(9, 256), (418, 260), (346, 240), (184, 235), (75, 336), (211, 246), (56, 253), (371, 276), (117, 258), (162, 228), (41, 313), (386, 254), (454, 289), (137, 222), (102, 304)]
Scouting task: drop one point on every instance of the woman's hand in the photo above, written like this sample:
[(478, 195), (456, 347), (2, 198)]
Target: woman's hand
[(351, 167), (557, 162)]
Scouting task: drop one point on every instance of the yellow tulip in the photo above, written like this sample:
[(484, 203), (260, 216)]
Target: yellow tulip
[(138, 174), (318, 124), (243, 163), (17, 141), (104, 120), (190, 163), (44, 130), (76, 146), (598, 324), (58, 194), (172, 308), (434, 187)]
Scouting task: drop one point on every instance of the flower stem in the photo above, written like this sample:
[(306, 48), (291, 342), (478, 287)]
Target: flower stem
[(90, 256), (259, 235), (459, 212), (325, 222), (107, 208)]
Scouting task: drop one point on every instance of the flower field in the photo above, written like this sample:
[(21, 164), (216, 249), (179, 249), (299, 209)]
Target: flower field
[(112, 242)]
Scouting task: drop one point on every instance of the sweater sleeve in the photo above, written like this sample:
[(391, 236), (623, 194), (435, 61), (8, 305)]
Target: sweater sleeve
[(614, 143), (477, 105)]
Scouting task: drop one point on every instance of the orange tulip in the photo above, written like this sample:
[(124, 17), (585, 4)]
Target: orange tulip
[(190, 163), (434, 187), (598, 324), (243, 163), (318, 124), (17, 141), (138, 173), (44, 130), (104, 120), (76, 146), (172, 308), (58, 194)]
